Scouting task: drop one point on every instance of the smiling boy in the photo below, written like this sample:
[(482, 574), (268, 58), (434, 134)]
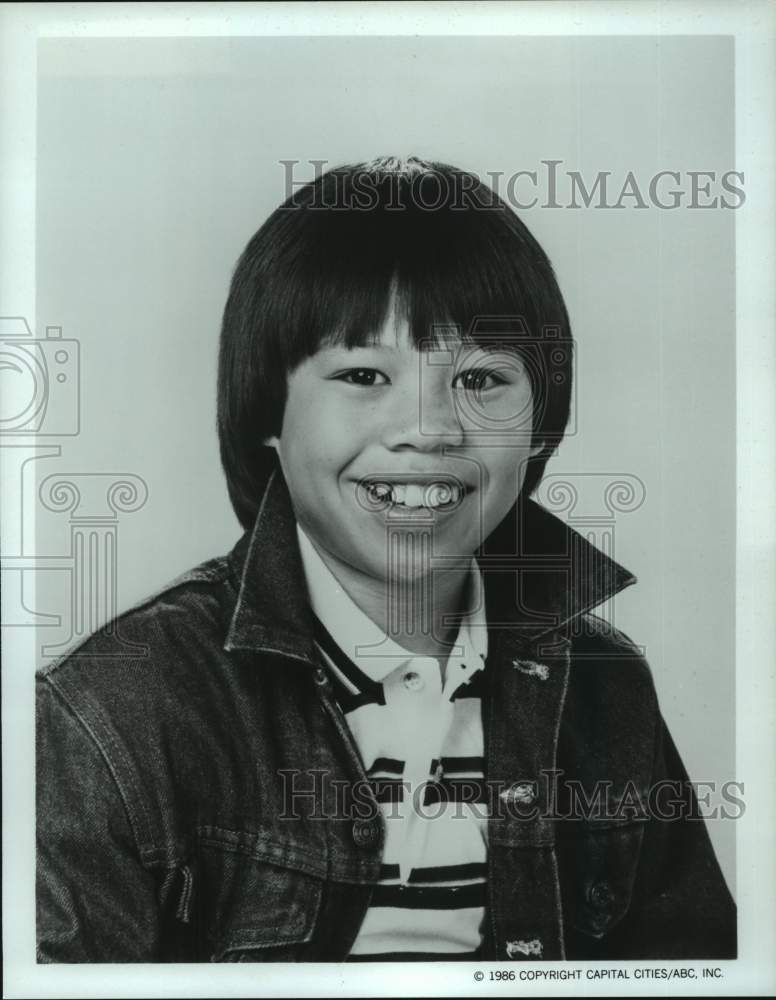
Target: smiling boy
[(374, 730), (374, 429)]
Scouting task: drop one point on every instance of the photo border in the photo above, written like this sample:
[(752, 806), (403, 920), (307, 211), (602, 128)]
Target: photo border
[(752, 24)]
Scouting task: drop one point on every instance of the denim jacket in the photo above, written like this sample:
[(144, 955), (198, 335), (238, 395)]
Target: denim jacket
[(167, 744)]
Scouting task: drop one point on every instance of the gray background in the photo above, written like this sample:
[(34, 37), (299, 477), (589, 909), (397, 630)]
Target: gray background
[(158, 158)]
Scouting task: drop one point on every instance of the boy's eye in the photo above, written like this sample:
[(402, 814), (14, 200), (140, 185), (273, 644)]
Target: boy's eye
[(478, 379), (362, 376)]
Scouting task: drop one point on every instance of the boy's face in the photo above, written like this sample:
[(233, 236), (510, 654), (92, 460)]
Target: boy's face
[(385, 440)]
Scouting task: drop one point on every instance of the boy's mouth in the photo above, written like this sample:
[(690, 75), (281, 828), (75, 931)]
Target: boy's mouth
[(412, 493)]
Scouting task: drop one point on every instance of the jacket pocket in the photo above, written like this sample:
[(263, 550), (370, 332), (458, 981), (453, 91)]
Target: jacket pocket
[(599, 867), (252, 909)]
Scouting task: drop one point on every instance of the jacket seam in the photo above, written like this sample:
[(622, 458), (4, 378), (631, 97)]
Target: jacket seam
[(554, 859), (657, 721), (198, 575), (319, 871), (134, 821), (271, 650), (621, 636), (208, 832)]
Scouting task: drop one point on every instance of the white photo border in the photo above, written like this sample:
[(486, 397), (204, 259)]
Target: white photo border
[(752, 23)]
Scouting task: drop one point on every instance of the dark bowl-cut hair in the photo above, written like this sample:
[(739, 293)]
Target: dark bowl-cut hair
[(426, 239)]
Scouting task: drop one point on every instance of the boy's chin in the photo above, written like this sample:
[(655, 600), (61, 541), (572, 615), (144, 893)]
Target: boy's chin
[(413, 557), (408, 571)]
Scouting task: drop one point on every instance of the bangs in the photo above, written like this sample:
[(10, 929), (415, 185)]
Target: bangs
[(446, 272)]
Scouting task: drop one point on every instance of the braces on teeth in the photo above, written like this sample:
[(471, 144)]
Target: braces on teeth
[(414, 495)]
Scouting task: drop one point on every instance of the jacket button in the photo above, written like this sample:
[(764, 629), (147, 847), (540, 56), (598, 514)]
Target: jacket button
[(366, 833), (523, 793), (601, 895)]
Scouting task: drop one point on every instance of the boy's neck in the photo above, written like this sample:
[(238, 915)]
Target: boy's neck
[(413, 611)]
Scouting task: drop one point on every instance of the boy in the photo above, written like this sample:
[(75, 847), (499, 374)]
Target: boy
[(386, 726)]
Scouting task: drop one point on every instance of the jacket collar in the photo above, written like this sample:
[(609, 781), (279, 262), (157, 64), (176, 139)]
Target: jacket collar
[(538, 574)]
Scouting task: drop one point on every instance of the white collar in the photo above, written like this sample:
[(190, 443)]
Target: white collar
[(357, 635)]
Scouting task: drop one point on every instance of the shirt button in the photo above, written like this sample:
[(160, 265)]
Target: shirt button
[(413, 681), (366, 833)]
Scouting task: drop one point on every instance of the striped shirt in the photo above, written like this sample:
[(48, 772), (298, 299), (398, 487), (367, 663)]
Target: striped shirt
[(421, 742)]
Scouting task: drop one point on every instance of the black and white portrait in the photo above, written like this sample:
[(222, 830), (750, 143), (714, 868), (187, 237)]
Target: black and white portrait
[(380, 542)]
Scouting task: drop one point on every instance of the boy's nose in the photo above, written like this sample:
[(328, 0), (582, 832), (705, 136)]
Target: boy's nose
[(425, 421)]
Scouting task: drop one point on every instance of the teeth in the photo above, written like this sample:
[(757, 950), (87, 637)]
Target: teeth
[(413, 495)]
